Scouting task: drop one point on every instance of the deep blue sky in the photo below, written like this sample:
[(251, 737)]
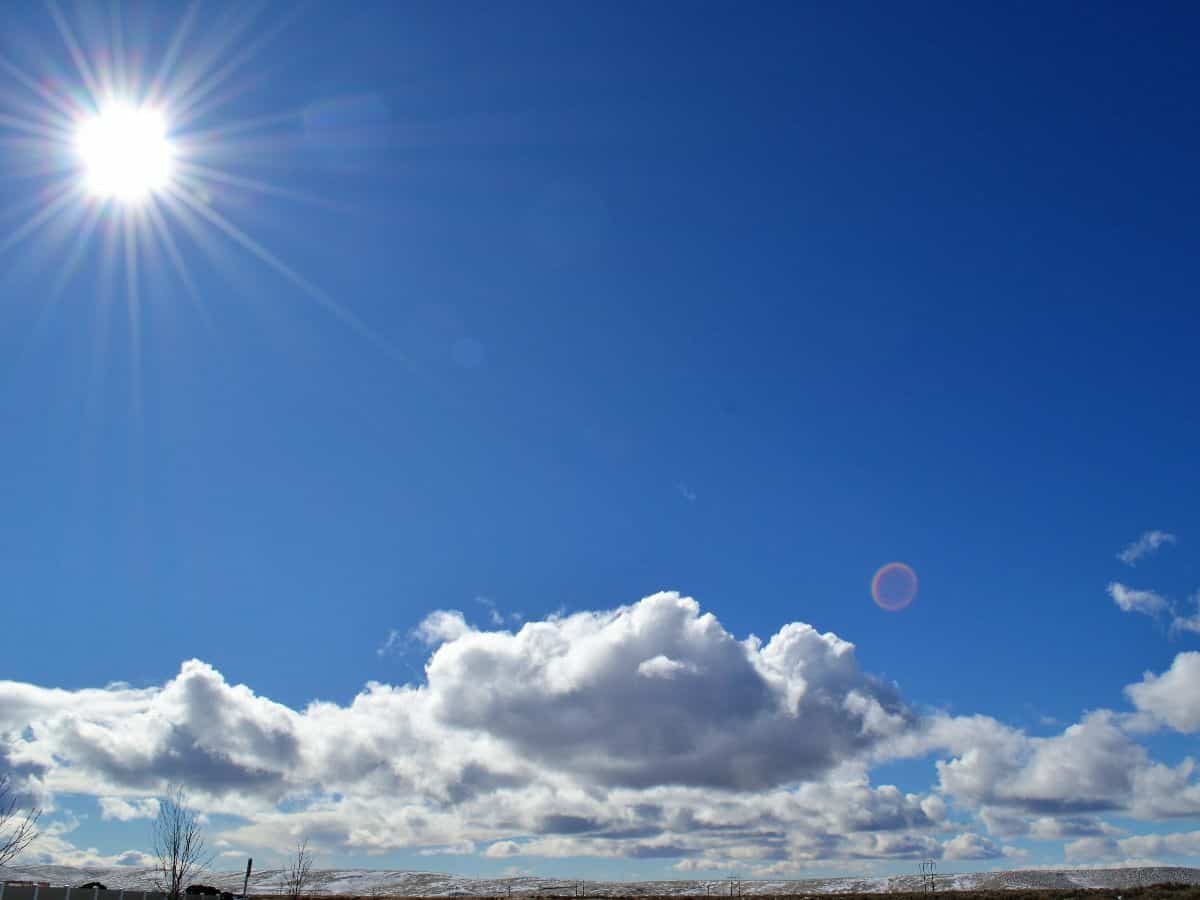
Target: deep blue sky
[(740, 301)]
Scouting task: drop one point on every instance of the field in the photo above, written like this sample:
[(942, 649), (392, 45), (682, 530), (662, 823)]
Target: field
[(1149, 892), (1129, 883)]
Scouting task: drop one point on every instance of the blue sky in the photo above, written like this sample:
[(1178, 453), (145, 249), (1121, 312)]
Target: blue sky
[(550, 308)]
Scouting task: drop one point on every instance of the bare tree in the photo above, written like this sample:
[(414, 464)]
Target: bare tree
[(296, 876), (178, 843), (18, 827)]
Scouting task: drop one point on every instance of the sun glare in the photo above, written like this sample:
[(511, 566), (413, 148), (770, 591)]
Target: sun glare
[(134, 156), (125, 153)]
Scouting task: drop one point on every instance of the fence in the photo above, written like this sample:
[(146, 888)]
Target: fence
[(36, 892)]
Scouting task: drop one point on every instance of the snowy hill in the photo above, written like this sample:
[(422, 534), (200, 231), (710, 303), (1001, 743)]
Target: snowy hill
[(371, 883)]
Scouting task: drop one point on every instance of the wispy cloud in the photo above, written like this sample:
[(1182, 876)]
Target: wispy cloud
[(1148, 543), (1134, 600), (395, 638), (686, 492), (1187, 623), (494, 613)]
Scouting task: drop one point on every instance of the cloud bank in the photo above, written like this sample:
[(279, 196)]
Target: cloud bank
[(648, 731)]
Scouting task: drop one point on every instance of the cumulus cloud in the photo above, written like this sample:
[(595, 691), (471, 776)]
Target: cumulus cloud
[(1023, 773), (1048, 828), (53, 847), (1139, 601), (1004, 823), (971, 846), (503, 849), (663, 667), (121, 740), (1013, 780), (1173, 697), (645, 731), (441, 626), (1091, 848), (1186, 843), (1141, 846), (1147, 543), (569, 693), (597, 733), (122, 810)]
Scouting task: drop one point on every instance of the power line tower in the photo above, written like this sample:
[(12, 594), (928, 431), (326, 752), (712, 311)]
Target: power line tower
[(929, 876)]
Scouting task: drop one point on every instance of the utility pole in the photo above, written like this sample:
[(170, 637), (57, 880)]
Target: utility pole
[(246, 881)]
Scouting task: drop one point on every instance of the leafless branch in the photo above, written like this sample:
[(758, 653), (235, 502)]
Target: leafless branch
[(296, 877), (18, 828), (178, 844)]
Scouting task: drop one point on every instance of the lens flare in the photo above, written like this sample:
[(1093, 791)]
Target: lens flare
[(894, 586)]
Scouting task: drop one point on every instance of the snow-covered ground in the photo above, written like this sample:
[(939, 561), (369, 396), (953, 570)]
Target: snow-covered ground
[(384, 883)]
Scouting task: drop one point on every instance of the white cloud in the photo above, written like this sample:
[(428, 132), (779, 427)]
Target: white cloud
[(1173, 697), (664, 667), (1166, 792), (1186, 843), (394, 639), (1187, 623), (1144, 847), (934, 808), (494, 615), (1091, 848), (971, 846), (1004, 823), (503, 849), (645, 731), (52, 849), (570, 733), (567, 693), (1140, 601), (1050, 828), (1092, 767), (1147, 543), (442, 625), (122, 810)]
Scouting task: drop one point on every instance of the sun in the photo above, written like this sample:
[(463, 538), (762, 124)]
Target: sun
[(125, 152), (133, 156)]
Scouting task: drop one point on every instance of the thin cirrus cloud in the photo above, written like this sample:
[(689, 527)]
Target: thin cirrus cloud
[(1187, 623), (1147, 543), (647, 731), (1135, 600)]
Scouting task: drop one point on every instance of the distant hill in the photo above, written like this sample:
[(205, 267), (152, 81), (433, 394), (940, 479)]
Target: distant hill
[(404, 883)]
